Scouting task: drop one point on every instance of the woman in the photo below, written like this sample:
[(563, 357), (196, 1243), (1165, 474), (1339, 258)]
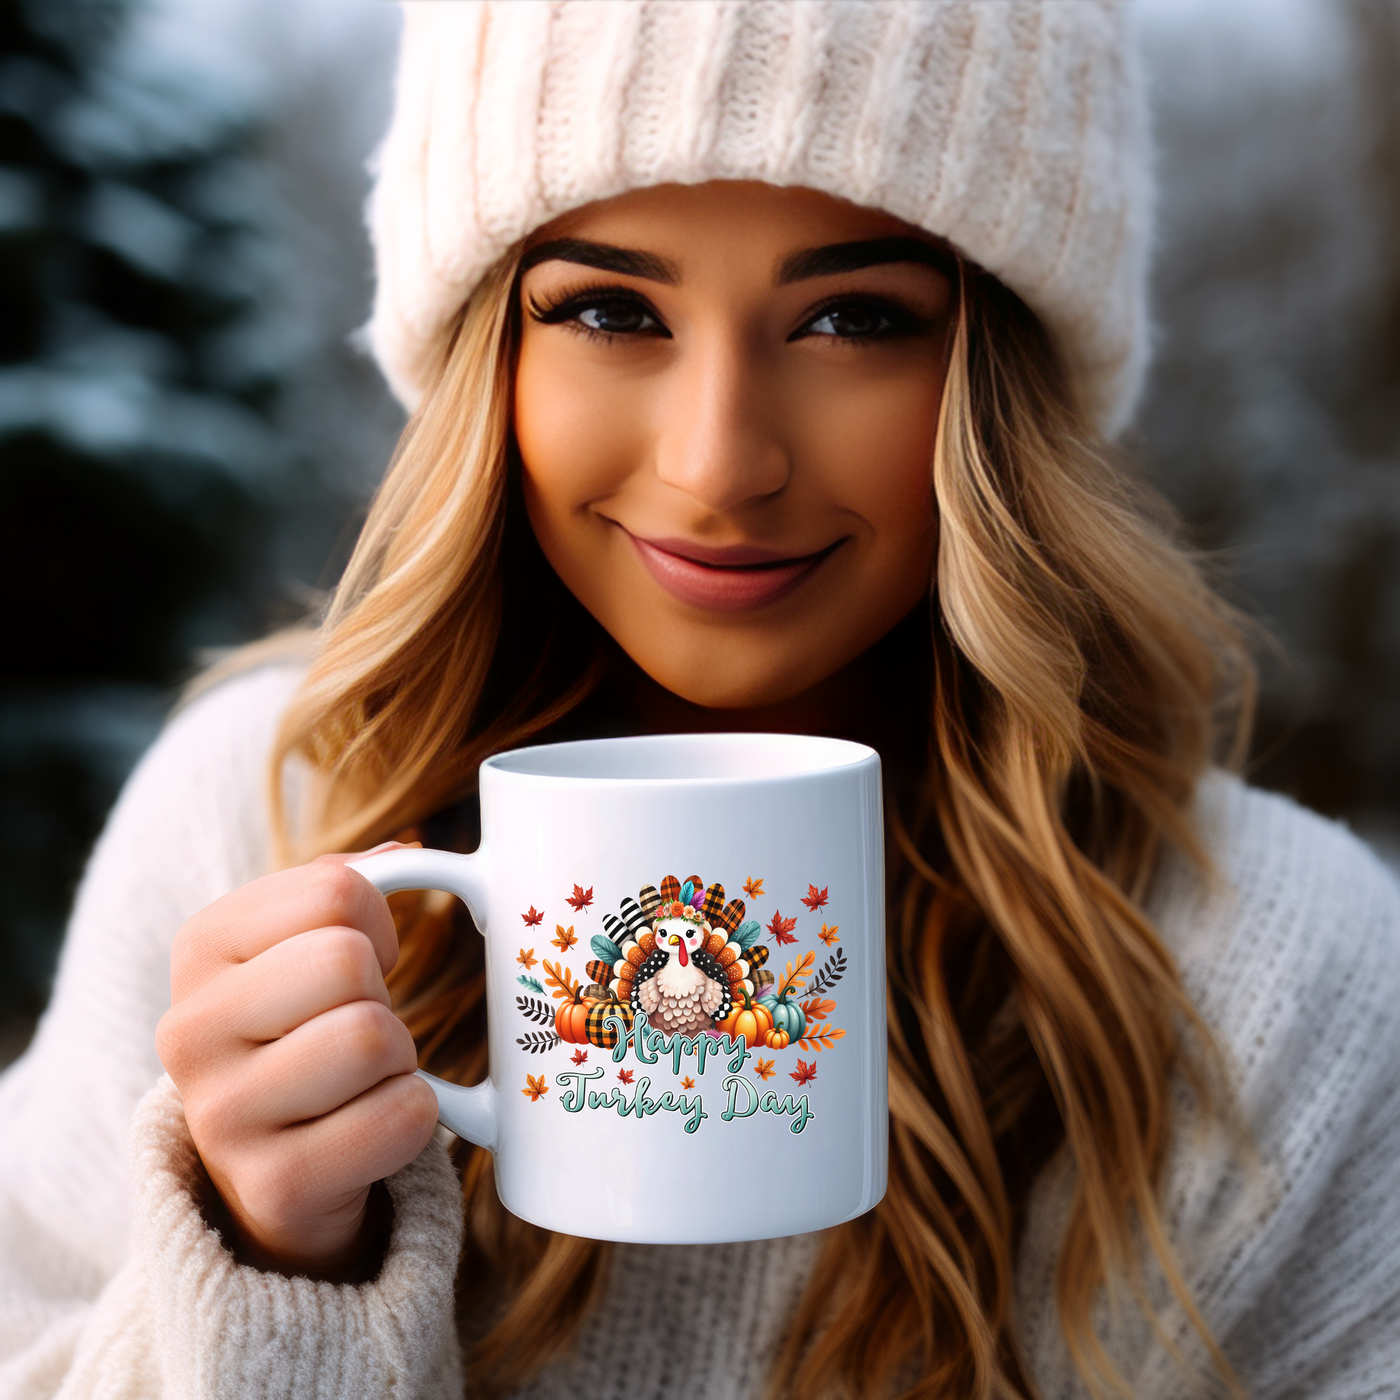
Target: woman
[(763, 358)]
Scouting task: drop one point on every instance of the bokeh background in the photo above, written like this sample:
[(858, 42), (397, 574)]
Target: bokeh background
[(188, 433)]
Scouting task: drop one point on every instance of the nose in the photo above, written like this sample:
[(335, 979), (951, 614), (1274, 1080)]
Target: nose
[(721, 442)]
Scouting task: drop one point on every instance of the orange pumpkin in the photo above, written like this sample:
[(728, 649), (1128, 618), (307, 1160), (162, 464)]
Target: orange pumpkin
[(571, 1020), (749, 1020), (777, 1040)]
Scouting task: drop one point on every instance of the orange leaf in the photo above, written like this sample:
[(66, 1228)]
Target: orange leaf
[(687, 1083), (564, 938), (830, 934), (794, 977), (753, 888), (563, 982), (536, 1088), (764, 1069), (815, 1009), (820, 1038), (526, 958)]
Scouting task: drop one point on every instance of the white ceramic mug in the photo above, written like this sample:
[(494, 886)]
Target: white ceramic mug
[(637, 1096)]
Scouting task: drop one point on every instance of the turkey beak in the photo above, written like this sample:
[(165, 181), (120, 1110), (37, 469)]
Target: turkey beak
[(680, 948)]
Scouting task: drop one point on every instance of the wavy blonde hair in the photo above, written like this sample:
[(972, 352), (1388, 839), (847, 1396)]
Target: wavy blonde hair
[(1082, 674)]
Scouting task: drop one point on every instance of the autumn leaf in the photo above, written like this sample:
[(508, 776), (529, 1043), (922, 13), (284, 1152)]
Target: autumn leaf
[(625, 1075), (815, 898), (530, 982), (804, 1073), (816, 1010), (820, 1038), (781, 928), (538, 1087), (830, 934), (764, 1069), (564, 938), (793, 977), (753, 888), (532, 917), (580, 1057), (580, 899), (561, 981), (687, 1083), (526, 958)]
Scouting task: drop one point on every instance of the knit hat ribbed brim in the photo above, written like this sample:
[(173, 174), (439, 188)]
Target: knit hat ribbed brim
[(1013, 128)]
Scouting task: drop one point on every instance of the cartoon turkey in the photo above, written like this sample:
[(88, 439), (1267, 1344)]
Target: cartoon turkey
[(680, 954)]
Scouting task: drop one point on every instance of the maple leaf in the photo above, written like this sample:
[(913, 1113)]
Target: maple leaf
[(580, 899), (580, 1057), (537, 1087), (781, 928), (804, 1073), (753, 888), (625, 1075), (815, 898), (764, 1068), (830, 934), (526, 958), (687, 1083), (816, 1010), (533, 916), (564, 938)]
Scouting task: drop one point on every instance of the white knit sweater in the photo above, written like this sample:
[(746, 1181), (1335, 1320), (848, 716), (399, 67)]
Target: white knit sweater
[(112, 1285)]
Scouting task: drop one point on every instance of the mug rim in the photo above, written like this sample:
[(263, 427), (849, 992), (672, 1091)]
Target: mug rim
[(826, 754)]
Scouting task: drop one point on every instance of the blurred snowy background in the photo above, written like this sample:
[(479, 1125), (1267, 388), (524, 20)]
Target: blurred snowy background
[(187, 438)]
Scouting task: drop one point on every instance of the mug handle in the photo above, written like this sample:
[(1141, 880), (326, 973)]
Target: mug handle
[(468, 1112)]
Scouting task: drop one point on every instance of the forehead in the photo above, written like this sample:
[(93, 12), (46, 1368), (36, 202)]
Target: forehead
[(723, 225)]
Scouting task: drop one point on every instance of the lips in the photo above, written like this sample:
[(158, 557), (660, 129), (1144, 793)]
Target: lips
[(732, 578)]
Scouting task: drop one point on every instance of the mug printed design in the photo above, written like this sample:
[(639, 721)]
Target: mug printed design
[(679, 973)]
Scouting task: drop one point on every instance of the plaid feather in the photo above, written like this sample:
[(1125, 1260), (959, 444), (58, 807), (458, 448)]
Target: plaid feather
[(731, 916), (649, 900), (762, 980), (670, 889), (696, 883), (713, 905), (599, 971), (756, 957)]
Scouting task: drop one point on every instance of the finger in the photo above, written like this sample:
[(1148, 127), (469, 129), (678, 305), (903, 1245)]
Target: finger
[(314, 1070), (314, 1170), (251, 1003), (255, 917)]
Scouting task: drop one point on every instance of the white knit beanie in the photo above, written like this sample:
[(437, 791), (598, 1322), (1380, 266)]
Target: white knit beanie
[(1013, 128)]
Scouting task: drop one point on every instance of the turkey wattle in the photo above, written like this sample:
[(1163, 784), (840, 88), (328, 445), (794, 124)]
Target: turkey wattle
[(679, 997)]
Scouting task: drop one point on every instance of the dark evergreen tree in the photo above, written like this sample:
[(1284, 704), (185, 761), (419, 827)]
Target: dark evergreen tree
[(140, 462)]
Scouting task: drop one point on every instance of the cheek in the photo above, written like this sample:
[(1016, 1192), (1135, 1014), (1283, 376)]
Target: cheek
[(581, 434)]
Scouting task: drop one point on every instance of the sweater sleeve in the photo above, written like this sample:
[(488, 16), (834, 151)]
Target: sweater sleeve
[(110, 1282)]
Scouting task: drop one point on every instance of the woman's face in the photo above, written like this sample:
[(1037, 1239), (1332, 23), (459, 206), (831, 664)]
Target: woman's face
[(725, 405)]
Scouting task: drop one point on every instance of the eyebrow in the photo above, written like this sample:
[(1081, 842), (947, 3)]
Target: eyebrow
[(836, 258), (830, 260), (631, 262)]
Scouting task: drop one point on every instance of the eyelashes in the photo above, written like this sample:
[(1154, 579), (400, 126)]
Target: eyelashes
[(614, 313)]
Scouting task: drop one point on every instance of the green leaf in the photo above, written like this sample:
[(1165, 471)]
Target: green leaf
[(531, 983), (605, 950)]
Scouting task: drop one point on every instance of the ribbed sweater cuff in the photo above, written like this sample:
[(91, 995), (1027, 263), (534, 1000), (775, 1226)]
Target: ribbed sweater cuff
[(225, 1329)]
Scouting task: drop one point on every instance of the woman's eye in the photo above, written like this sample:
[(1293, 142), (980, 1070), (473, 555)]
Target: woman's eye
[(852, 322), (616, 318)]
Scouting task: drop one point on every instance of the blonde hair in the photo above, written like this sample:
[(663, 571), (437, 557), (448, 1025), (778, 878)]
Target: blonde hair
[(1082, 676)]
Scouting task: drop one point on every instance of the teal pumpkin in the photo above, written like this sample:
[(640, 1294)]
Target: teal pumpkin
[(787, 1016)]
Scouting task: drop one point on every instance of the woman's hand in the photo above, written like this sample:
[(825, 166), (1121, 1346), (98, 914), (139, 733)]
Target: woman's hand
[(296, 1076)]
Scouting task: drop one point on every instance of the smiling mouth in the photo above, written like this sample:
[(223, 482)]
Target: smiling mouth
[(731, 579)]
